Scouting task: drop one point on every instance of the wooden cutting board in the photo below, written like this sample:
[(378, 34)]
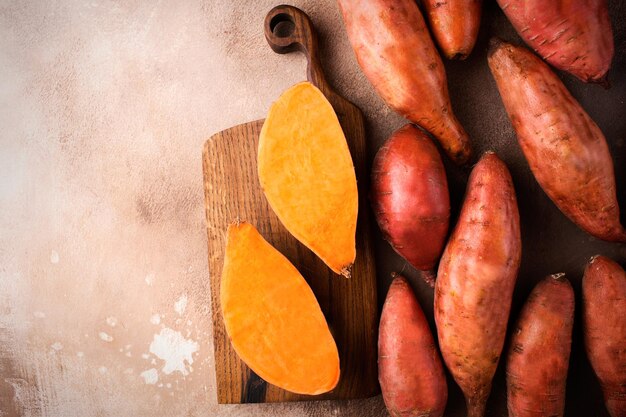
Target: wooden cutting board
[(232, 191)]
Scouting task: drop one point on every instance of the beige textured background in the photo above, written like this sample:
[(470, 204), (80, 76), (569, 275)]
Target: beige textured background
[(104, 107)]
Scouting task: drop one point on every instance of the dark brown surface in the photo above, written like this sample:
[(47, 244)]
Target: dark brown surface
[(232, 191), (551, 243)]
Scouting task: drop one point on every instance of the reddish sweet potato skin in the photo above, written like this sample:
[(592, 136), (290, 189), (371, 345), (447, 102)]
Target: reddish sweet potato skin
[(565, 149), (604, 329), (475, 281), (572, 35), (410, 372), (538, 358), (410, 196), (393, 47), (454, 24)]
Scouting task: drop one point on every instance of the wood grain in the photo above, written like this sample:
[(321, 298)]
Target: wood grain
[(232, 191)]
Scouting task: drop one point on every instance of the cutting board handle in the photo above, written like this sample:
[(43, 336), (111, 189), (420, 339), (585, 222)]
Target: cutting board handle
[(289, 29)]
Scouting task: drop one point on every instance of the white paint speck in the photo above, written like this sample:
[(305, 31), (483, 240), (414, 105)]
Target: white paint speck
[(189, 322), (104, 336), (150, 377), (160, 385), (155, 319), (57, 346), (153, 361), (149, 279), (168, 385), (170, 346), (39, 314), (54, 257), (129, 354), (112, 321), (145, 356), (80, 354), (103, 370), (181, 304)]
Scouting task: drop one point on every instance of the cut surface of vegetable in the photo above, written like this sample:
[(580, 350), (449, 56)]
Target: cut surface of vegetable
[(272, 317), (306, 172)]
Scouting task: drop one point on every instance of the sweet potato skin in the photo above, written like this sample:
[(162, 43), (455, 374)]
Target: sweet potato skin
[(565, 149), (393, 47), (475, 281), (410, 196), (572, 35), (538, 358), (454, 24), (604, 329), (409, 367)]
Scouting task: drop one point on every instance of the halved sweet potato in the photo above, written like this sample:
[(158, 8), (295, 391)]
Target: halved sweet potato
[(307, 175), (272, 317)]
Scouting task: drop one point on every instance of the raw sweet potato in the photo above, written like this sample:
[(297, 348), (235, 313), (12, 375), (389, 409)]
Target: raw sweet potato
[(604, 329), (538, 359), (573, 35), (475, 281), (272, 318), (409, 368), (454, 24), (410, 197), (565, 149), (395, 51), (307, 175)]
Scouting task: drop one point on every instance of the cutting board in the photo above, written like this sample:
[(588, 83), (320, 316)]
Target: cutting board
[(232, 191)]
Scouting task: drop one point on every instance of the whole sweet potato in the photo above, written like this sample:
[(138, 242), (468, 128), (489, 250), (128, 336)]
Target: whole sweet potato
[(475, 281), (454, 24), (565, 149), (573, 35), (395, 51), (409, 368), (604, 329), (538, 359), (410, 197)]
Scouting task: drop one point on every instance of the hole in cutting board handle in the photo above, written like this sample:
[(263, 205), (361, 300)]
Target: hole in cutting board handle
[(282, 25)]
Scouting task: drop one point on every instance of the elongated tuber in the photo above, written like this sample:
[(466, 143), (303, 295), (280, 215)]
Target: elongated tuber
[(475, 281), (395, 51), (454, 24), (409, 367), (565, 149), (410, 197)]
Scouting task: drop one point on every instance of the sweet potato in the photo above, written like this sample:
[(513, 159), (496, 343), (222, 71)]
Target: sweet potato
[(307, 175), (272, 317), (395, 51), (565, 149), (454, 24), (604, 329), (538, 359), (475, 281), (409, 368), (572, 35), (410, 197)]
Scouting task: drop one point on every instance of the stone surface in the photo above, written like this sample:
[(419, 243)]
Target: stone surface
[(104, 108)]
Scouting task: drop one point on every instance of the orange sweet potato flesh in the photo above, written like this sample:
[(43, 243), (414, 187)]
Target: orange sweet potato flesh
[(272, 317), (475, 281), (393, 47), (538, 359), (572, 35), (604, 329), (454, 24), (565, 149), (306, 172), (409, 366)]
